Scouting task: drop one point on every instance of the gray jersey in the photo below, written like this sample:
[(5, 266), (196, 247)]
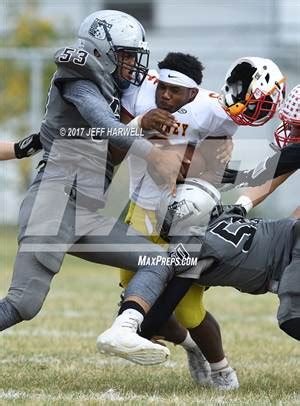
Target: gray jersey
[(248, 254), (82, 97)]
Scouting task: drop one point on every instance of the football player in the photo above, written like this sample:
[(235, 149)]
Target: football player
[(198, 115), (281, 165), (22, 149), (60, 207), (254, 103), (255, 256)]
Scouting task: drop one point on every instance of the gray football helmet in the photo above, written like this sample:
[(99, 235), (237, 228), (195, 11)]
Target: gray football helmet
[(189, 211), (111, 31)]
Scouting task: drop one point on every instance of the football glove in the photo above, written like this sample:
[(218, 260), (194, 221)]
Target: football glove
[(28, 146)]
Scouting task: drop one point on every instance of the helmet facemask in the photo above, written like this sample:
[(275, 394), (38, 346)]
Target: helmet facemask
[(283, 134), (138, 70), (244, 97), (289, 113)]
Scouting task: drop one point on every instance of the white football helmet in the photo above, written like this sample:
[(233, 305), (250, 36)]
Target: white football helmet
[(252, 91), (110, 31), (190, 209), (289, 113)]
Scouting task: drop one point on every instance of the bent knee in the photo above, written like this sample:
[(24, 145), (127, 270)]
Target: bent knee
[(190, 311), (30, 301), (190, 319)]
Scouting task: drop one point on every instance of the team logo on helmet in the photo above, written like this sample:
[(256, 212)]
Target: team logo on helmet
[(99, 28), (180, 209)]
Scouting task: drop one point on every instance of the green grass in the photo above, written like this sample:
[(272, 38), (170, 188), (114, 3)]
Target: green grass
[(52, 359)]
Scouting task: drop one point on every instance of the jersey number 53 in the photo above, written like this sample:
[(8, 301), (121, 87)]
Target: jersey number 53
[(79, 56)]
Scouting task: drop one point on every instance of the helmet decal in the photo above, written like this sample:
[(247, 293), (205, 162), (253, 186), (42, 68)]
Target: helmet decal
[(99, 29), (191, 208)]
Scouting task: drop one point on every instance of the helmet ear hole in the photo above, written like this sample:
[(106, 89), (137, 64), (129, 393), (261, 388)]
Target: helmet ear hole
[(97, 53), (256, 84)]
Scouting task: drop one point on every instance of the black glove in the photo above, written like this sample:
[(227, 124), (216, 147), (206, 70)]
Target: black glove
[(28, 146), (263, 171), (238, 178), (235, 209)]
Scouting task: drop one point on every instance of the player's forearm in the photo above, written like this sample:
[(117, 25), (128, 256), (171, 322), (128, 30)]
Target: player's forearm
[(283, 162), (95, 110), (163, 308), (7, 150), (24, 148), (289, 159), (259, 193)]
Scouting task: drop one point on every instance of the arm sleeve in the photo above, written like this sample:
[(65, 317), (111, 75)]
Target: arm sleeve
[(289, 160), (93, 107), (284, 161), (163, 308)]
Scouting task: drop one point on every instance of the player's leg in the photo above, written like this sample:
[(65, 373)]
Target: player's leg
[(125, 247), (30, 285), (206, 333), (289, 291), (145, 221), (190, 312), (137, 218), (34, 266)]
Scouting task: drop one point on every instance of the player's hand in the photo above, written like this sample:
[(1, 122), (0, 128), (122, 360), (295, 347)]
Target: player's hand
[(231, 178), (159, 120), (160, 140), (28, 146), (224, 152), (229, 175), (165, 167)]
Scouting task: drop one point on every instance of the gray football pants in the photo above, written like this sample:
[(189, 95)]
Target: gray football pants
[(44, 238), (289, 291)]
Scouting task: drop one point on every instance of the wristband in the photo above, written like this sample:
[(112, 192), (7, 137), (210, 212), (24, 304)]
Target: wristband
[(136, 122), (245, 201)]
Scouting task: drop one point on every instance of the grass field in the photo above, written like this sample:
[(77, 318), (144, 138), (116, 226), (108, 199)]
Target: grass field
[(52, 359)]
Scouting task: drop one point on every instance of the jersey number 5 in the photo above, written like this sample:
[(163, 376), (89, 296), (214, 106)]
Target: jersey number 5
[(80, 56), (235, 237)]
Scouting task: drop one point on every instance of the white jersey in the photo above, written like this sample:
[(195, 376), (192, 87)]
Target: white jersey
[(201, 118)]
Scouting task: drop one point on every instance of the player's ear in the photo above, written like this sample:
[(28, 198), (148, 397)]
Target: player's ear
[(97, 53), (193, 93)]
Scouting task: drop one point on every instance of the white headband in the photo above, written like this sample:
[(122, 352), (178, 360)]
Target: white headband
[(176, 78)]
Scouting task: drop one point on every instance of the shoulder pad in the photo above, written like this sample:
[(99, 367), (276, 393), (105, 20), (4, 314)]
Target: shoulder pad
[(74, 63)]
